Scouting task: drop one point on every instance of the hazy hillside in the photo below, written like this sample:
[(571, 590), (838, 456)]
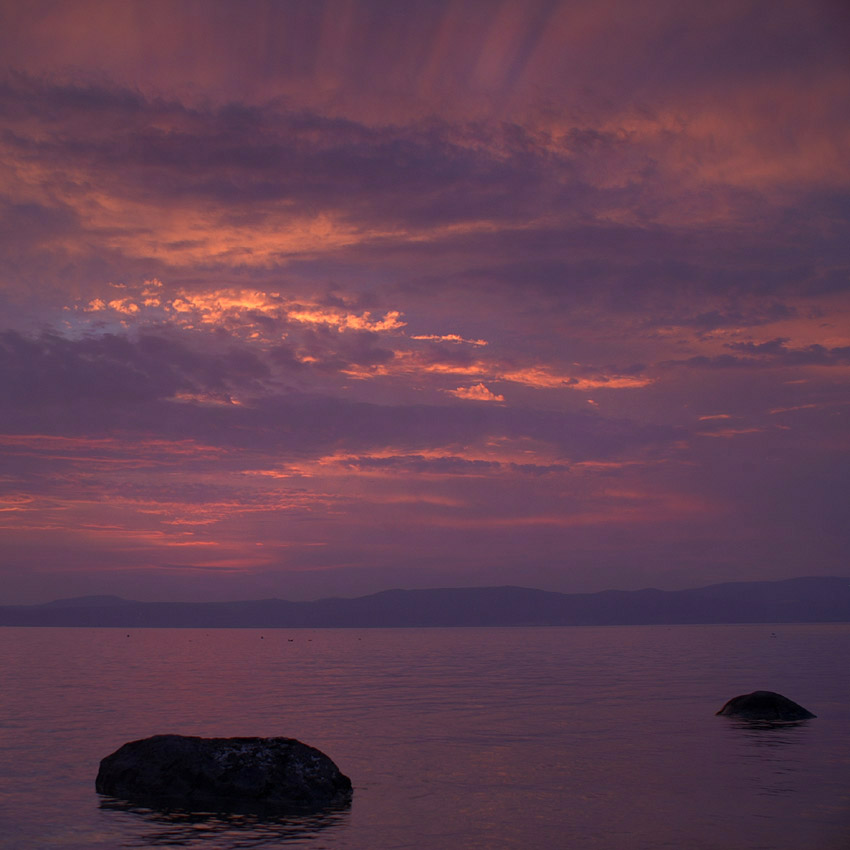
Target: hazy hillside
[(805, 600)]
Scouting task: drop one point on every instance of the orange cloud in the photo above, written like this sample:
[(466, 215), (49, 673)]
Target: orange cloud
[(776, 410), (238, 305), (109, 451), (449, 338), (217, 400), (496, 456), (730, 432), (542, 378), (477, 368), (477, 392), (213, 305), (348, 321), (16, 502)]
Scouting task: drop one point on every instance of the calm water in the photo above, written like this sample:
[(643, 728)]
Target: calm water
[(575, 738)]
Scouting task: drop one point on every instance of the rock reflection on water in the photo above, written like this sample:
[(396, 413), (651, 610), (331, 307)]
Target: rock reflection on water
[(770, 733), (769, 749), (177, 827)]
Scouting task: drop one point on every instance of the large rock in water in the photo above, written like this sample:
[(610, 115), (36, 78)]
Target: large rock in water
[(223, 774), (765, 705)]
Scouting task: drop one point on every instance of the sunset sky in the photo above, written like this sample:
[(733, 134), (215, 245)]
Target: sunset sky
[(308, 298)]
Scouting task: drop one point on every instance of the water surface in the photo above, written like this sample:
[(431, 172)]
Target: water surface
[(578, 738)]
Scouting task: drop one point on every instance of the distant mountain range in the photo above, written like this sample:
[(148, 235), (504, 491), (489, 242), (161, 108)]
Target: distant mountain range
[(799, 600)]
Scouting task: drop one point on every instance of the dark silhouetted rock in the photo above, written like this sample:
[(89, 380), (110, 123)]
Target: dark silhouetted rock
[(223, 774), (765, 705)]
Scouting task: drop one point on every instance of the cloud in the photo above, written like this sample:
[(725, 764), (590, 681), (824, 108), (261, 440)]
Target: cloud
[(420, 464), (162, 384), (771, 354), (259, 266), (776, 351), (111, 370), (329, 178), (259, 184), (161, 186), (545, 378), (477, 392), (449, 338)]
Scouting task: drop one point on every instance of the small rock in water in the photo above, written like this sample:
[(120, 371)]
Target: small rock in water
[(765, 705), (223, 774)]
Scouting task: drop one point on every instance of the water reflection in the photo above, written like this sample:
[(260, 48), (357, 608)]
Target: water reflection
[(177, 827), (771, 752), (770, 733)]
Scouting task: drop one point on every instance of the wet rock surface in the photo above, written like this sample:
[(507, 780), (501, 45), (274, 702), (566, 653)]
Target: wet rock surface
[(766, 706), (224, 774)]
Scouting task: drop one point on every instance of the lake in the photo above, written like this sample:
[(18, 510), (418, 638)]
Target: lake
[(575, 738)]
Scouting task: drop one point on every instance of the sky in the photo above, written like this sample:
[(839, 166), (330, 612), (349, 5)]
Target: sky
[(308, 299)]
